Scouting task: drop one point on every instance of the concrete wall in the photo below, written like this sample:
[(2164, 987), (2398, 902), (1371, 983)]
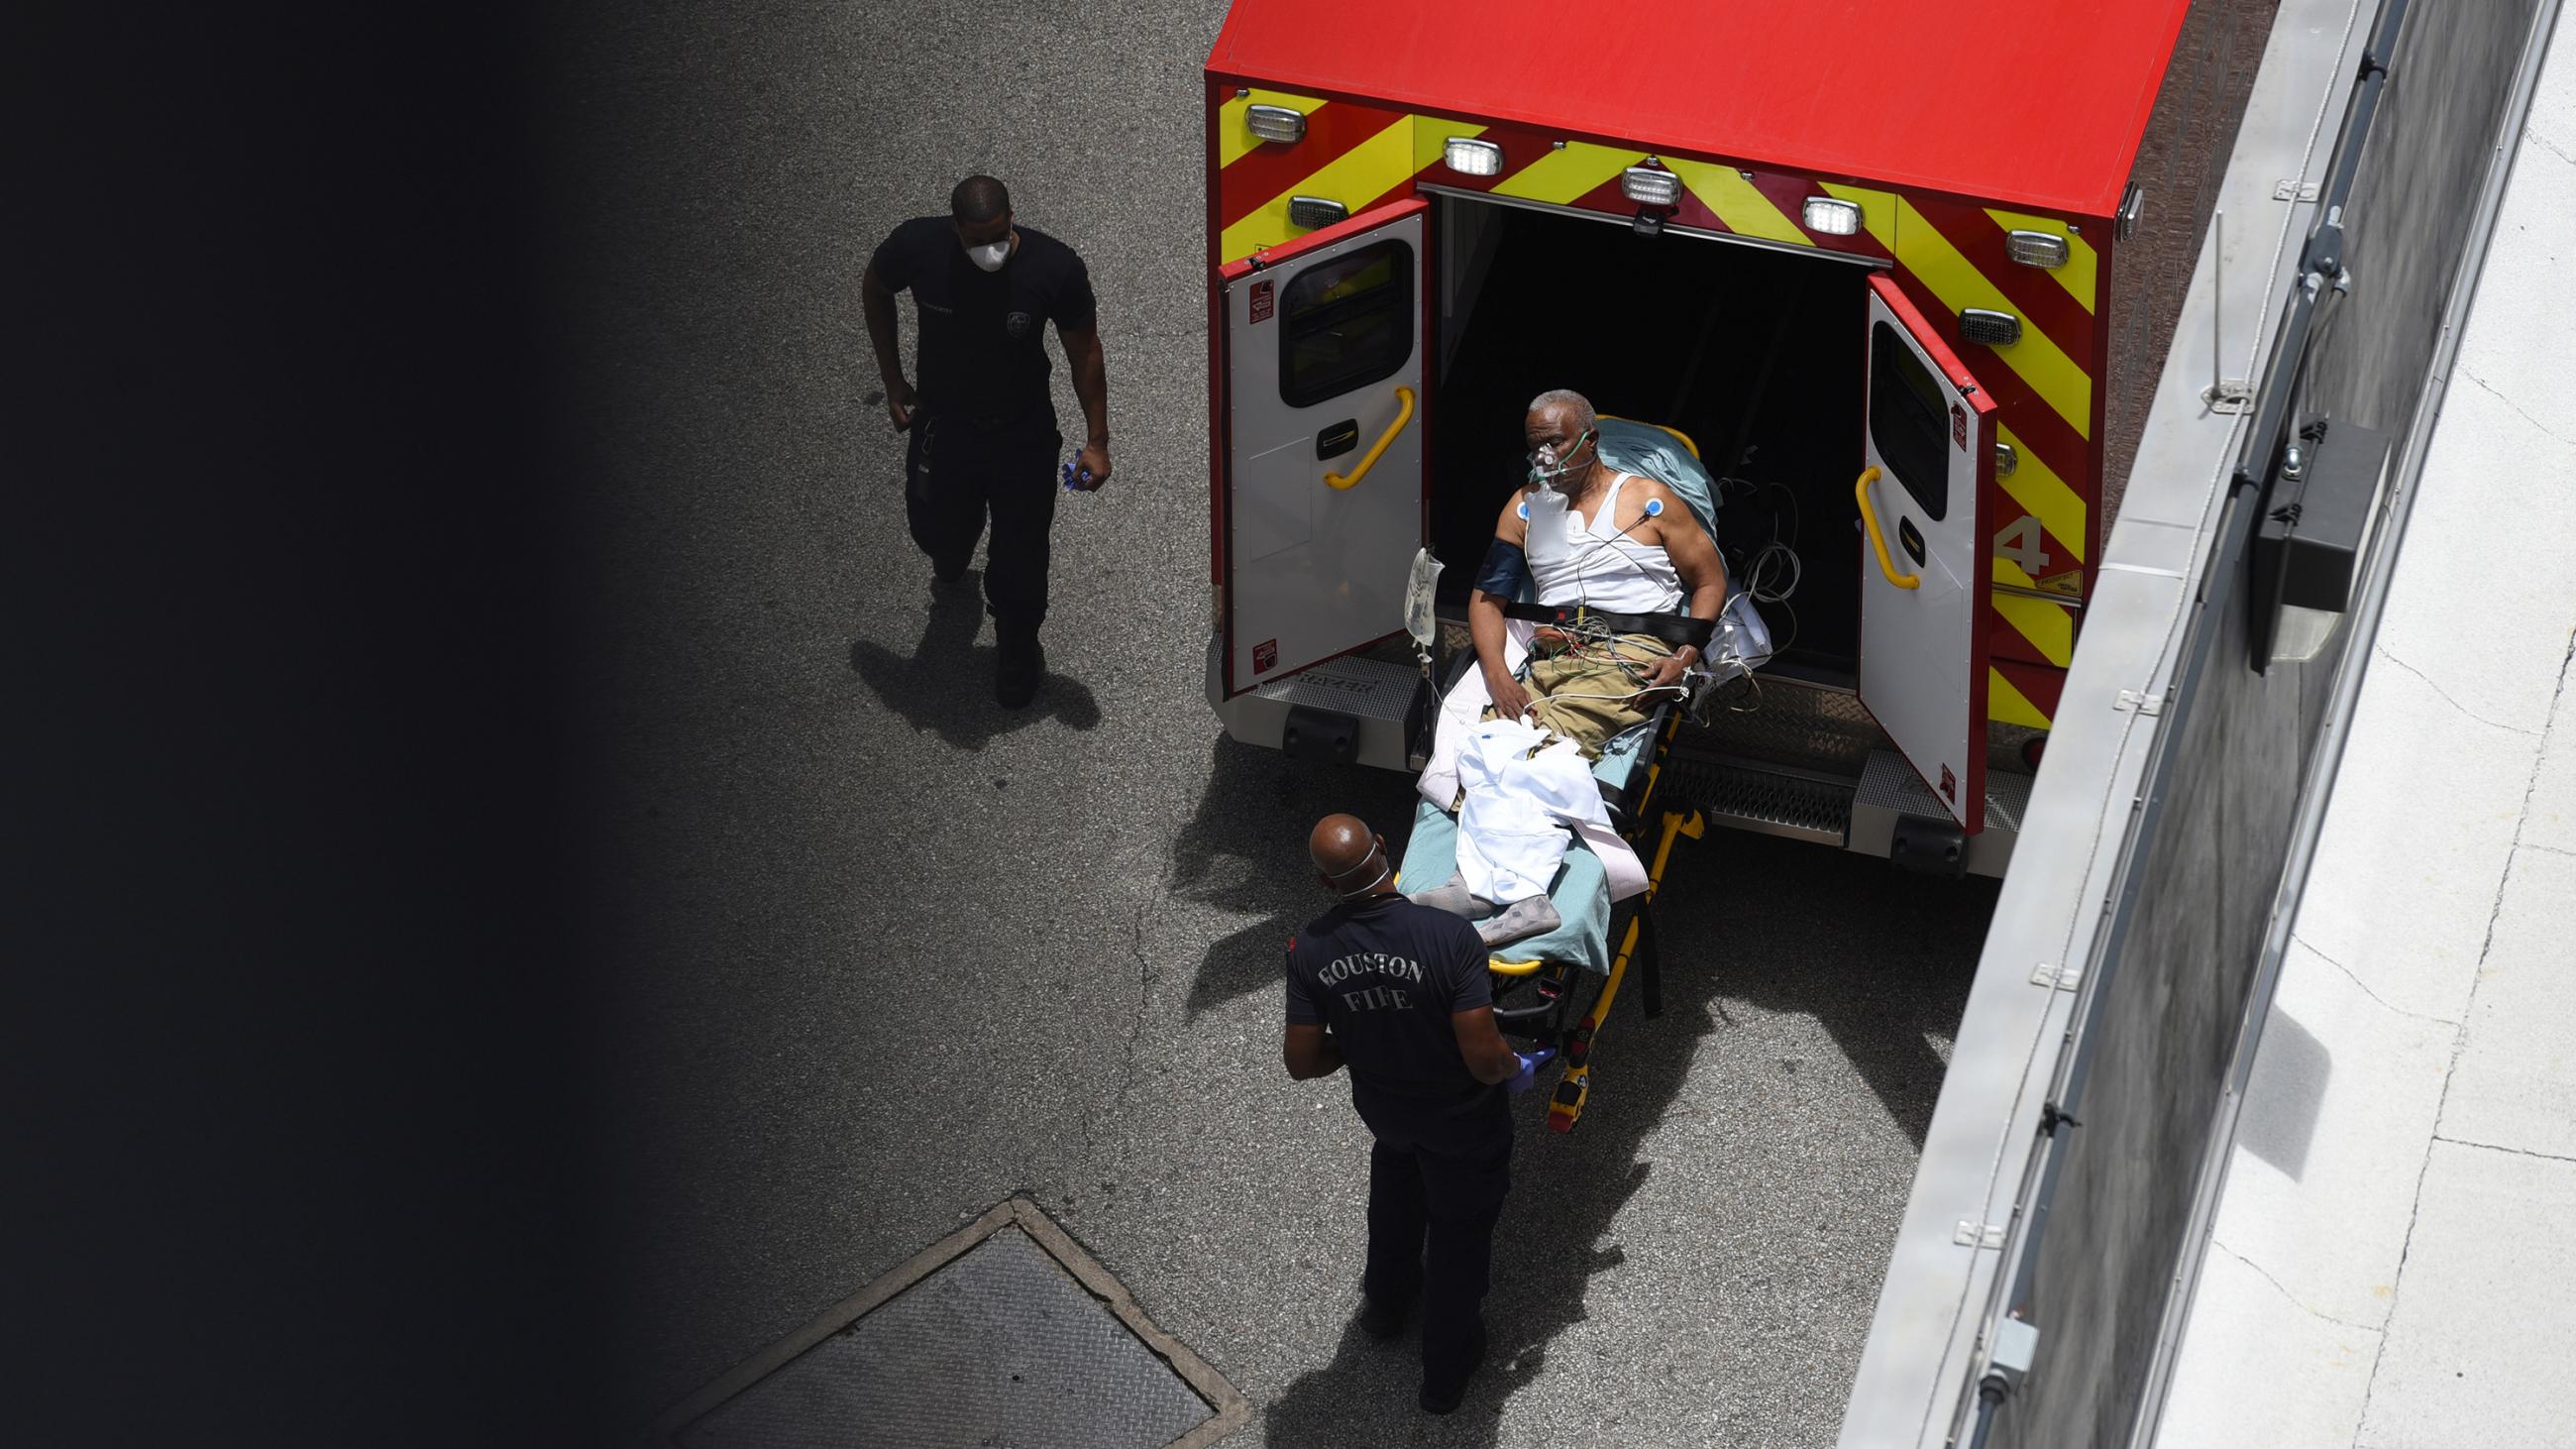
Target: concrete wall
[(2097, 1271)]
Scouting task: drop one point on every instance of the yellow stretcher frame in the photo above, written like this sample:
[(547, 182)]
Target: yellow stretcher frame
[(1574, 1087)]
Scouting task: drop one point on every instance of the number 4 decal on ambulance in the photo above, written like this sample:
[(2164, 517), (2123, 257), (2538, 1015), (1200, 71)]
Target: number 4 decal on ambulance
[(1928, 547), (1322, 481)]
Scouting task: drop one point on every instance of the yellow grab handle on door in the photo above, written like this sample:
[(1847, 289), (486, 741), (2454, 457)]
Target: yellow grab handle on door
[(1878, 540), (1403, 415)]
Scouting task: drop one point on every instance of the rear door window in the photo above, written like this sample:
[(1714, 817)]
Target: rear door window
[(1346, 323), (1909, 420)]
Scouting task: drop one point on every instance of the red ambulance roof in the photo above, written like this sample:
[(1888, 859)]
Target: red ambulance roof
[(2031, 103)]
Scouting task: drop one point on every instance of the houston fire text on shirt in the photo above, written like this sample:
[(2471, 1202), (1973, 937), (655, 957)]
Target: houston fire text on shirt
[(1371, 998)]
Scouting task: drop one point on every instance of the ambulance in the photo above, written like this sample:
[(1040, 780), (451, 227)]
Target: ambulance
[(1864, 258)]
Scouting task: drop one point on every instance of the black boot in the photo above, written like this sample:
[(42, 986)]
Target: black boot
[(1022, 665), (1380, 1320), (1444, 1397)]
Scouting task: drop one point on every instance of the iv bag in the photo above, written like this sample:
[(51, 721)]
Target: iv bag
[(1742, 642), (1419, 620)]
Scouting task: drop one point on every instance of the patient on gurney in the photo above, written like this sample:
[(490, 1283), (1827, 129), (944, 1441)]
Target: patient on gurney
[(1620, 544)]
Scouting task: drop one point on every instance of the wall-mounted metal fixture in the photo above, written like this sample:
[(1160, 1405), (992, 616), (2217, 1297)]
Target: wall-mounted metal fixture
[(2319, 510)]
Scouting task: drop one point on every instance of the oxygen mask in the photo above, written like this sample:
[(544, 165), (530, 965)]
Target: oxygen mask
[(1551, 461)]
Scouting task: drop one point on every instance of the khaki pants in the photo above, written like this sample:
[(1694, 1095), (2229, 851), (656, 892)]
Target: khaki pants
[(1583, 694)]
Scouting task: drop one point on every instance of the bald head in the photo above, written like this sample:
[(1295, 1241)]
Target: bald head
[(1340, 845), (979, 200)]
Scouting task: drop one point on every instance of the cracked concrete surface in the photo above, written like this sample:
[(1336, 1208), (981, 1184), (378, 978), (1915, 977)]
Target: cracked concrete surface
[(2428, 1229)]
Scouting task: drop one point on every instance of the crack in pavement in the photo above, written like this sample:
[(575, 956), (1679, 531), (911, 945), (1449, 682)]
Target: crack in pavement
[(2382, 651), (2292, 1298), (2459, 1044), (2312, 950), (2490, 391), (2500, 1147), (1137, 922)]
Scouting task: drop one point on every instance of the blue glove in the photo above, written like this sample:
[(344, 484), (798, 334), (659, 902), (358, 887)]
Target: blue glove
[(1530, 1063)]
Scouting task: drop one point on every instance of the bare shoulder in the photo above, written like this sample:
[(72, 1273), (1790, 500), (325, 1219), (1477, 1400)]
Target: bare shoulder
[(1513, 523), (1643, 490)]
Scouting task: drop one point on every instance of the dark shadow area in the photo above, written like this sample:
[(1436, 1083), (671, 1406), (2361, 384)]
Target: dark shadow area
[(1881, 960), (945, 686), (300, 1026), (1245, 850), (1756, 354), (2292, 1070)]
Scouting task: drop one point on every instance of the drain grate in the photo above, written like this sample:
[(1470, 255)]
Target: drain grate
[(1005, 1336)]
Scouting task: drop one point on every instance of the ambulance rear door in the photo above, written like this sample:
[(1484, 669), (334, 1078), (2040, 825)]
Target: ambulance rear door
[(1929, 454), (1321, 486)]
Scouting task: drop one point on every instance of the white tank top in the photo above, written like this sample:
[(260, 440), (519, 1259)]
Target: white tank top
[(1573, 562)]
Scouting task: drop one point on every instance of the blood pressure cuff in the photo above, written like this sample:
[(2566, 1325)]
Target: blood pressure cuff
[(1505, 571)]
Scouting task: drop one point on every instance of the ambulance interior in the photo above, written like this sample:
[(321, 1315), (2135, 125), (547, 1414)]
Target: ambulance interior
[(1757, 354)]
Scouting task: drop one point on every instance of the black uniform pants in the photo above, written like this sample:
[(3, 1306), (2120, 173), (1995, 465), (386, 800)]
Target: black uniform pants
[(1436, 1185), (961, 469)]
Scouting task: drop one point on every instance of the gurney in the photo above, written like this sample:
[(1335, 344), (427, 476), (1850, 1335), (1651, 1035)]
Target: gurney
[(1556, 989)]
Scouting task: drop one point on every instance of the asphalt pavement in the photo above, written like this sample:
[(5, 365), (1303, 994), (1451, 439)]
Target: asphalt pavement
[(884, 953)]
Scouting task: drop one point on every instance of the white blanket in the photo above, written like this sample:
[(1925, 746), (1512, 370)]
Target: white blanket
[(1521, 800), (1440, 781)]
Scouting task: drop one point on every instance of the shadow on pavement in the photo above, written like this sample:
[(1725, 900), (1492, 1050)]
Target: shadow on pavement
[(1880, 960), (945, 687), (1245, 851)]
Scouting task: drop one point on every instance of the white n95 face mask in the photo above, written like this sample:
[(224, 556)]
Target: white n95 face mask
[(990, 258)]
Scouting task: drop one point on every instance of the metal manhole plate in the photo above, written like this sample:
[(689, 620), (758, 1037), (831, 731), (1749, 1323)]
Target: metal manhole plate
[(1005, 1336)]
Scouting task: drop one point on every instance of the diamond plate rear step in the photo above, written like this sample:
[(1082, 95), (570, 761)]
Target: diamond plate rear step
[(1891, 792), (1744, 795)]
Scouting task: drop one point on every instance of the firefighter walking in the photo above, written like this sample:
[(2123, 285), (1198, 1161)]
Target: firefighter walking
[(984, 437)]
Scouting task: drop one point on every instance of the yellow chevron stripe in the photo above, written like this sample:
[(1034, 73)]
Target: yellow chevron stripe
[(1746, 211), (2044, 496), (1877, 211), (1233, 140), (2009, 705), (1431, 138), (1560, 176), (2050, 628), (2077, 275), (1355, 178), (2056, 377)]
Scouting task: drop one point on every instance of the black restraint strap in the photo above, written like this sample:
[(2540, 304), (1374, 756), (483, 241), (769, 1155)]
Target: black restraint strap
[(1673, 629)]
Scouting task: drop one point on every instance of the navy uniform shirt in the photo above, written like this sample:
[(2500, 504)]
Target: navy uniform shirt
[(983, 334), (1386, 975)]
